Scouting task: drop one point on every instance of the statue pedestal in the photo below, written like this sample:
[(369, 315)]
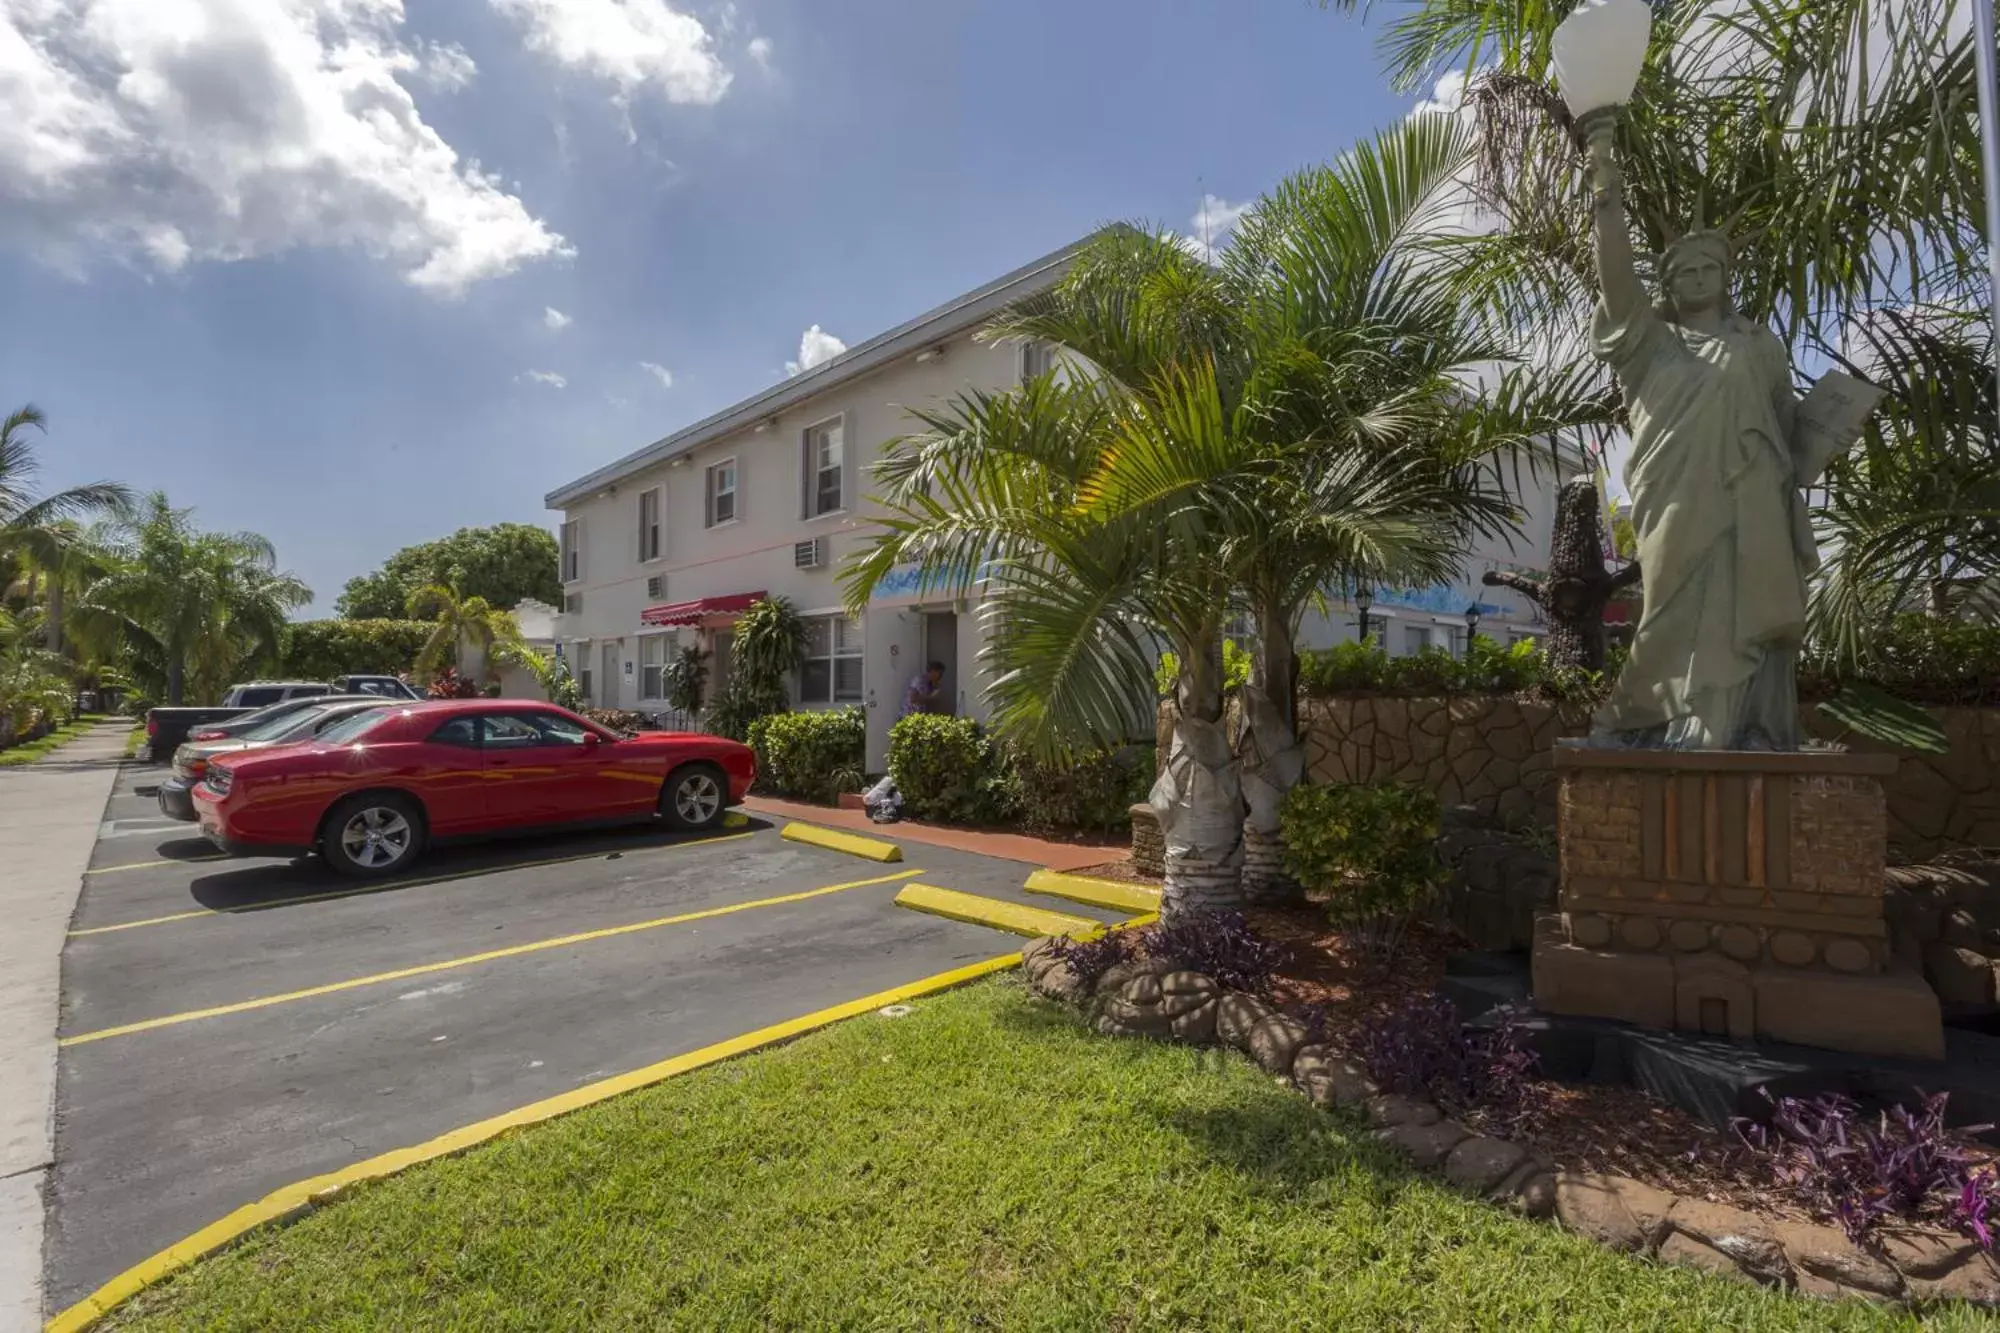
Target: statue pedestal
[(1733, 893)]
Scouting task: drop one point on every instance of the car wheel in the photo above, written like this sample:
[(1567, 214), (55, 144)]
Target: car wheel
[(694, 797), (368, 836)]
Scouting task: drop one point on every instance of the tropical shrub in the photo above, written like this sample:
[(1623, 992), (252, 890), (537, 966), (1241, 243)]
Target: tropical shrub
[(1366, 668), (323, 649), (448, 684), (1219, 945), (1919, 658), (1423, 1049), (1905, 1167), (1235, 669), (946, 769), (1091, 792), (687, 679), (1368, 850), (740, 703), (1091, 958), (815, 755)]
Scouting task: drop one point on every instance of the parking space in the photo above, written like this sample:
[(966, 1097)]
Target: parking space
[(232, 1026)]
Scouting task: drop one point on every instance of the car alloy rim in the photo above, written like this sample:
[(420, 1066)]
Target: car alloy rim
[(376, 837), (697, 798)]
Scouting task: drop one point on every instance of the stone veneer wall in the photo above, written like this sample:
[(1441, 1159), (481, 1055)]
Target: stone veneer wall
[(1494, 752)]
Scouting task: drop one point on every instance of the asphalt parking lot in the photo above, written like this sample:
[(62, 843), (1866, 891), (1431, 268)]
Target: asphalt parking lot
[(233, 1026)]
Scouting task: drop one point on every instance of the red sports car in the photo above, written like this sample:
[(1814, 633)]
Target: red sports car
[(371, 791)]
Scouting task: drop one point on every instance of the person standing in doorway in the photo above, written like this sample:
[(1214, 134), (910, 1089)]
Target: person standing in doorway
[(924, 690)]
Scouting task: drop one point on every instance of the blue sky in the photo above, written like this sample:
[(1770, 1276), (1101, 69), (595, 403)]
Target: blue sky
[(216, 284)]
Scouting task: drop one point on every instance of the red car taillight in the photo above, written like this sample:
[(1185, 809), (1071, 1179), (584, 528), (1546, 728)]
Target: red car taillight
[(208, 734), (152, 726)]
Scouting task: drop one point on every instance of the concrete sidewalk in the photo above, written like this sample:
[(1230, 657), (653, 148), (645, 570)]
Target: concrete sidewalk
[(49, 815)]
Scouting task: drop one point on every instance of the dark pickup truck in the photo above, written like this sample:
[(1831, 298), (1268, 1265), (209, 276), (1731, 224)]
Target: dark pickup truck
[(166, 728)]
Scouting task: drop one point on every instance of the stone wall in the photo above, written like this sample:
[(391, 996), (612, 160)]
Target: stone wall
[(1149, 845)]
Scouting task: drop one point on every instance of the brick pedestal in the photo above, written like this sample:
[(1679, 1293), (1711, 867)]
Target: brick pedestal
[(1149, 846), (1732, 893)]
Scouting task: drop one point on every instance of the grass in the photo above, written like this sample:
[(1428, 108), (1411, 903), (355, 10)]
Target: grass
[(985, 1162), (27, 752), (134, 741)]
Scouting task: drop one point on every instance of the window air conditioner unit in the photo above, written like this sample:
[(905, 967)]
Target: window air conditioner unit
[(573, 603), (656, 586), (809, 555)]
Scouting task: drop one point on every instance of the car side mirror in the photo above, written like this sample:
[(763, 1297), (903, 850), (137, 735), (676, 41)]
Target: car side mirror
[(591, 740)]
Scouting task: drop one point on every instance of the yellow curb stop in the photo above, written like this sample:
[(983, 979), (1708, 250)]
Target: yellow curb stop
[(972, 908), (873, 849), (1110, 893)]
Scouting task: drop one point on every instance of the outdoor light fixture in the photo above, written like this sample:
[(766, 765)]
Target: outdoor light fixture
[(931, 353), (1471, 628), (1362, 601), (1597, 53)]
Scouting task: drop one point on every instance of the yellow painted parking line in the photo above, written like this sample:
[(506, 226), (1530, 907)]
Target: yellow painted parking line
[(998, 913), (387, 886), (493, 955), (150, 865), (873, 849), (292, 1201), (1112, 893)]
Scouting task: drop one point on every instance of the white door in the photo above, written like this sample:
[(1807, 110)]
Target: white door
[(608, 677)]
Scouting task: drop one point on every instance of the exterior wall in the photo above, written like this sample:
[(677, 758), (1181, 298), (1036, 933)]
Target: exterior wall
[(1494, 752), (754, 553)]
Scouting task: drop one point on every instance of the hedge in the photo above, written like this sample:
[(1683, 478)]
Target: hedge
[(323, 649), (813, 755), (948, 768)]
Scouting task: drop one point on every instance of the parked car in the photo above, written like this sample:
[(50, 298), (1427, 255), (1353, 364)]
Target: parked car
[(301, 719), (373, 790), (258, 717), (388, 687), (166, 728), (258, 693)]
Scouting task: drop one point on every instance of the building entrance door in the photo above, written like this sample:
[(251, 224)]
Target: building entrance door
[(607, 677), (941, 645)]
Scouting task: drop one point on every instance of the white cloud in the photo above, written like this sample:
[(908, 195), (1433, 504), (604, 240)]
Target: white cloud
[(446, 66), (658, 372), (632, 43), (555, 319), (816, 346), (168, 132), (1210, 227), (548, 377), (1447, 95), (760, 51)]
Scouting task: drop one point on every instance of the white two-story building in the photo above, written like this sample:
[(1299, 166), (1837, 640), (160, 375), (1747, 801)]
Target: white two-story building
[(669, 544)]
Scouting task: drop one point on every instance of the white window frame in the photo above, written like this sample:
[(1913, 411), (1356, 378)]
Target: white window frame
[(658, 690), (1414, 629), (846, 640), (572, 550), (709, 494), (1033, 350), (652, 536), (810, 469)]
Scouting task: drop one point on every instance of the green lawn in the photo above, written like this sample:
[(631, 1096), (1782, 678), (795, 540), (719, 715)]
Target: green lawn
[(982, 1163), (29, 751)]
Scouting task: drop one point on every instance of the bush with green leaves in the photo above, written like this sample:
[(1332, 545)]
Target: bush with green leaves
[(814, 755), (323, 649), (687, 679), (1368, 850), (1235, 669), (740, 703), (946, 768), (1917, 658), (1091, 793)]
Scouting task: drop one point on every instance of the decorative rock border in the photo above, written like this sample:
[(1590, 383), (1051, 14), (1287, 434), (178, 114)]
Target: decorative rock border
[(1152, 998)]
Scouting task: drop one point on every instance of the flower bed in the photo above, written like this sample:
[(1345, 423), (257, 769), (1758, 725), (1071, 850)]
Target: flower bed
[(1606, 1162)]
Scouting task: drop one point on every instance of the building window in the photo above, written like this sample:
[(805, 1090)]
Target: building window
[(1037, 359), (653, 666), (832, 670), (649, 524), (572, 550), (722, 492), (1416, 638), (826, 451)]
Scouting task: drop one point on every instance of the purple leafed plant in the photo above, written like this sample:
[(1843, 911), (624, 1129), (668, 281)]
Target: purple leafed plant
[(1423, 1049), (1905, 1166), (1091, 959), (1220, 945)]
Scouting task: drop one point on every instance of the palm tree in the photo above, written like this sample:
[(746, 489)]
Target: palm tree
[(464, 627), (194, 608), (42, 533)]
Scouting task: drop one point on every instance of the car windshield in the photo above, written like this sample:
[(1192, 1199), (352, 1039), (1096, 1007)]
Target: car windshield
[(265, 716), (348, 728)]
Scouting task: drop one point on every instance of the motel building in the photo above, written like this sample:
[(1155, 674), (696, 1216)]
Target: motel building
[(668, 545)]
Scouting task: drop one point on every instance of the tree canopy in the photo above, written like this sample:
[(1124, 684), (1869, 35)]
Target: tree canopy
[(503, 565)]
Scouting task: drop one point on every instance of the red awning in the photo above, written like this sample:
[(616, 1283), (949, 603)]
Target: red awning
[(700, 609)]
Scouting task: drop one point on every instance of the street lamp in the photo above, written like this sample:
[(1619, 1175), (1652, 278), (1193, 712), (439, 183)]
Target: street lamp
[(1471, 628), (1598, 51), (1362, 601)]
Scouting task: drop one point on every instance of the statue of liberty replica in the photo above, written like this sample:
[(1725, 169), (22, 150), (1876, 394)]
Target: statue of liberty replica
[(1715, 482)]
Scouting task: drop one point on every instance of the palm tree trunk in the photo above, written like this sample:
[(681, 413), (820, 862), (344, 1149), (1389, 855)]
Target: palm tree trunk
[(176, 673), (1274, 759), (1199, 795)]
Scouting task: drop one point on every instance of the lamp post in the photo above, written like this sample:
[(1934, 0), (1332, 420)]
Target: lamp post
[(1471, 628), (1362, 601), (1597, 52)]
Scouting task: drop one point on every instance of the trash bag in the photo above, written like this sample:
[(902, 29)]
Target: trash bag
[(883, 803)]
